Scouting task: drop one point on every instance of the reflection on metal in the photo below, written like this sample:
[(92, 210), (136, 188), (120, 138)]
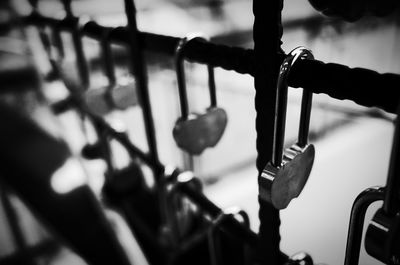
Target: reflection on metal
[(285, 175)]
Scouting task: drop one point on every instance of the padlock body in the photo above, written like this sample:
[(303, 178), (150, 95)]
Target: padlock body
[(280, 184), (382, 240), (200, 131), (124, 94), (121, 96)]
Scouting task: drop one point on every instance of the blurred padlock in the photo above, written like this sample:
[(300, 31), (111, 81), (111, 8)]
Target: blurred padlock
[(195, 132), (124, 182), (214, 242), (120, 93), (181, 214), (285, 175), (382, 240)]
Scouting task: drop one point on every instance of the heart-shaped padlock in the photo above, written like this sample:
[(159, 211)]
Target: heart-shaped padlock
[(118, 94), (284, 177), (195, 132)]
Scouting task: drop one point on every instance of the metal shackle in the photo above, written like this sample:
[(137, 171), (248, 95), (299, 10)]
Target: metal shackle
[(77, 44), (107, 58), (58, 51), (299, 53), (180, 75)]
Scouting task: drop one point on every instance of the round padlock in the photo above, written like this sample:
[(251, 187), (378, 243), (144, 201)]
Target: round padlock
[(194, 132)]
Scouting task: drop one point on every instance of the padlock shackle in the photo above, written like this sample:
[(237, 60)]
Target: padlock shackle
[(211, 86), (180, 75), (107, 58), (305, 116), (391, 204), (67, 4), (281, 106), (77, 45), (81, 62), (57, 39)]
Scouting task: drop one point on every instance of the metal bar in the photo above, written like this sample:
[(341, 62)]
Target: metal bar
[(363, 86), (138, 69), (354, 236), (267, 32)]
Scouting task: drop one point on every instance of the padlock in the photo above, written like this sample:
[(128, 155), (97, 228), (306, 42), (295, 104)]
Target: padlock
[(356, 224), (284, 177), (181, 214), (195, 132), (119, 93), (214, 244), (382, 240), (124, 182)]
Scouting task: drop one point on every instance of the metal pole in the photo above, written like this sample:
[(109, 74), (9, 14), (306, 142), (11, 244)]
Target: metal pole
[(138, 69), (267, 32)]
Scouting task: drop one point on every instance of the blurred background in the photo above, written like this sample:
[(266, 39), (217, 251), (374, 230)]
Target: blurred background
[(352, 142)]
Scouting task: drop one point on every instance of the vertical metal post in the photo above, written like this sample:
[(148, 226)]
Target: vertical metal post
[(138, 69), (78, 45), (267, 34)]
